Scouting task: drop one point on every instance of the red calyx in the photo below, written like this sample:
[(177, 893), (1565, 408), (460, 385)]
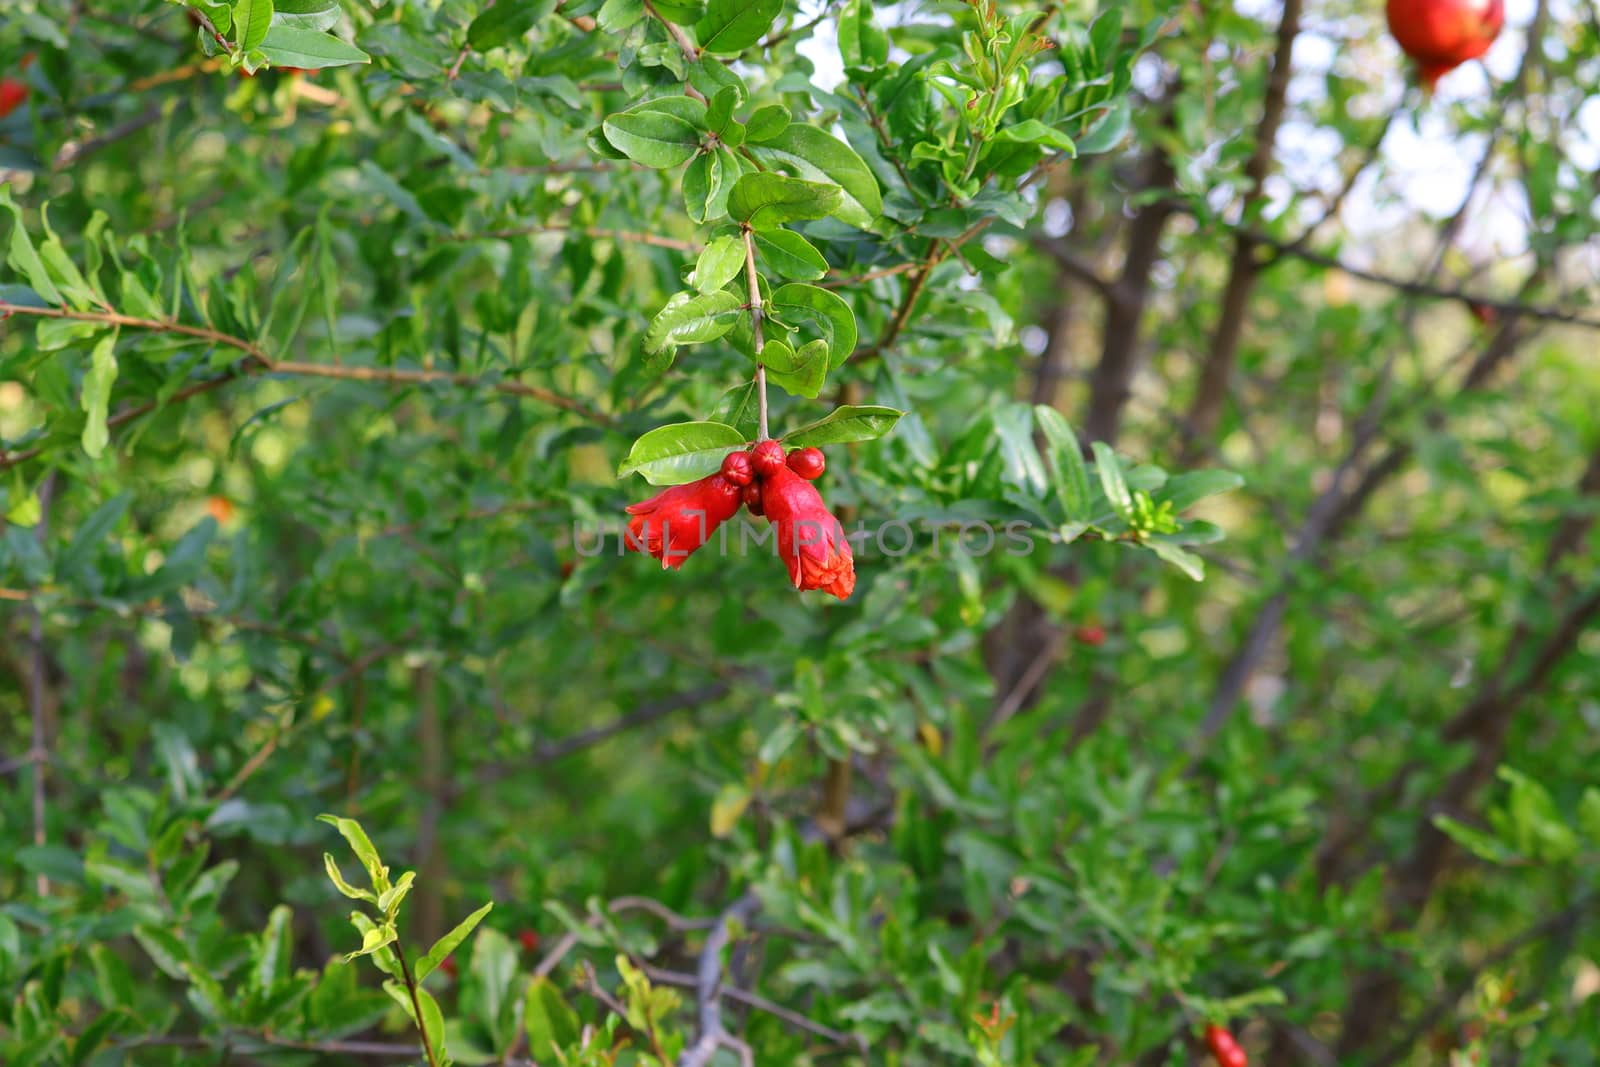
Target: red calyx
[(1225, 1048), (767, 457), (738, 469), (808, 463)]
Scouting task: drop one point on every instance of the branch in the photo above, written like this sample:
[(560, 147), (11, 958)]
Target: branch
[(753, 286), (1217, 369), (1072, 263), (257, 363), (708, 983)]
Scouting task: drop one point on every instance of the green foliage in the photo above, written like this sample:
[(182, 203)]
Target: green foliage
[(321, 396)]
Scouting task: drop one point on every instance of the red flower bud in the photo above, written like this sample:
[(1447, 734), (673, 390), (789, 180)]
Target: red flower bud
[(808, 463), (737, 468), (449, 966), (751, 495), (530, 940), (768, 458), (1225, 1048), (12, 94), (810, 539), (676, 521)]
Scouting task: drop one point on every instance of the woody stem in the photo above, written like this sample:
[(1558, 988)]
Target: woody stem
[(755, 330)]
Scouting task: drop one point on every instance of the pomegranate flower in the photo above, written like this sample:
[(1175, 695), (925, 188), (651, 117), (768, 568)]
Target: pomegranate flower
[(810, 539), (678, 520)]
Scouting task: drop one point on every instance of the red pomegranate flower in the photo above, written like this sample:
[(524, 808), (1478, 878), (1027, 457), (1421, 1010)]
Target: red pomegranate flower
[(1443, 34), (810, 539), (676, 521)]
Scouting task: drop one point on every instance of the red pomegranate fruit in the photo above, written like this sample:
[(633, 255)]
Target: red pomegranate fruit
[(1443, 34)]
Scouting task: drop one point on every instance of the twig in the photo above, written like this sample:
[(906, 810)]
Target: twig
[(691, 54), (752, 281), (1217, 369), (870, 276), (759, 1003), (76, 151), (416, 1006), (708, 983)]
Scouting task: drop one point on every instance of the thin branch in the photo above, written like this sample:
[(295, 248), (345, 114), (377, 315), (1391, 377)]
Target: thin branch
[(753, 284), (708, 982), (691, 54), (870, 276), (1217, 369), (1072, 263), (759, 1003)]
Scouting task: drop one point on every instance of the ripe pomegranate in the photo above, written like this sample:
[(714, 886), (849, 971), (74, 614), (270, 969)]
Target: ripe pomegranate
[(1443, 34)]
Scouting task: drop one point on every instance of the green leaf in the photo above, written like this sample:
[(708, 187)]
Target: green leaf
[(797, 304), (766, 122), (251, 20), (719, 263), (94, 1035), (766, 201), (692, 319), (86, 541), (505, 22), (291, 46), (1032, 131), (681, 452), (1109, 131), (807, 370), (655, 136), (551, 1022), (843, 425), (816, 155), (337, 878), (862, 42), (1112, 481), (739, 407), (97, 394), (23, 258), (1180, 557), (494, 966), (432, 1022), (790, 255), (730, 26), (447, 944), (315, 15), (362, 846), (1067, 469), (273, 950), (705, 185), (1485, 846), (1183, 491), (615, 16), (373, 938)]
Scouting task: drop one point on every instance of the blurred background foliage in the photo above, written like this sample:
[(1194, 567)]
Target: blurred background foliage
[(370, 341)]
